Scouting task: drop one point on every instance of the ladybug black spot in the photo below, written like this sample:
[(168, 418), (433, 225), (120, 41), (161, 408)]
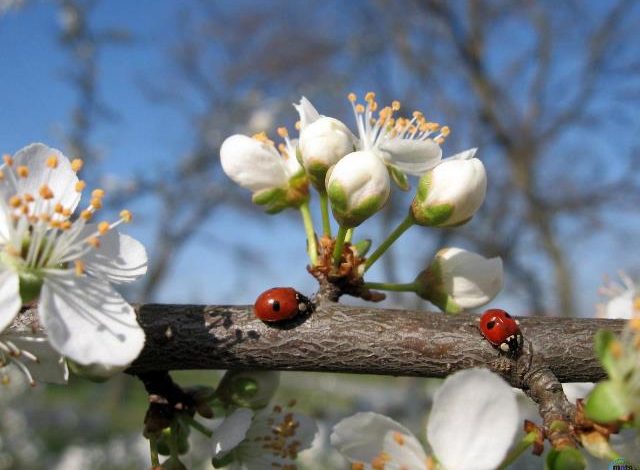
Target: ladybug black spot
[(491, 324), (276, 305)]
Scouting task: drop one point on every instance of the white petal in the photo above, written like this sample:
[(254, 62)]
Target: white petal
[(473, 420), (51, 366), (307, 112), (120, 258), (4, 224), (88, 321), (231, 432), (575, 390), (620, 306), (411, 156), (361, 438), (252, 164), (62, 180), (464, 155), (10, 301)]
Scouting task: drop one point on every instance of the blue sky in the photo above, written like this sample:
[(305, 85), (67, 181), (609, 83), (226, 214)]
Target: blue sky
[(35, 104)]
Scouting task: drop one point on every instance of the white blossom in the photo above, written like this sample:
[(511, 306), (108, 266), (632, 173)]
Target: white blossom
[(622, 299)]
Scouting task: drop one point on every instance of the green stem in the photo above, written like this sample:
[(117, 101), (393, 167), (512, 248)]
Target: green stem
[(324, 209), (349, 235), (337, 249), (408, 287), (312, 248), (399, 230), (173, 441), (153, 452), (198, 426), (518, 450)]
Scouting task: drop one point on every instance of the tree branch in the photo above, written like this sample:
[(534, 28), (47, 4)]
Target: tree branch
[(340, 338)]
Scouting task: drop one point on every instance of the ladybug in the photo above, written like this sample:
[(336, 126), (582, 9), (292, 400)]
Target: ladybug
[(502, 331), (280, 303)]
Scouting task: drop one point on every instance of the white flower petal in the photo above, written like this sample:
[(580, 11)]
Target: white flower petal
[(119, 258), (10, 301), (473, 421), (411, 156), (88, 321), (51, 366), (4, 223), (252, 164), (620, 306), (231, 432), (575, 390), (62, 180), (464, 155), (361, 438), (307, 112)]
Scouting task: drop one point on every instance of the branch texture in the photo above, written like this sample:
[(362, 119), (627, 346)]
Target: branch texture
[(340, 338)]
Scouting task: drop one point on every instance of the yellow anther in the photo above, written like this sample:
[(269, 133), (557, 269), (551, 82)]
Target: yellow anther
[(359, 108), (45, 218), (96, 202), (1, 175), (373, 105), (52, 161), (445, 131), (439, 140), (634, 324), (86, 214), (6, 380), (76, 164), (45, 192), (80, 185), (25, 210), (12, 250), (352, 97), (28, 197), (357, 466), (282, 132), (66, 212), (97, 193), (79, 267), (399, 438), (261, 136), (126, 215), (370, 96), (616, 349), (395, 105), (7, 159), (55, 224), (94, 242), (22, 171), (15, 201), (65, 224), (283, 149), (103, 227), (417, 114), (58, 208), (636, 303)]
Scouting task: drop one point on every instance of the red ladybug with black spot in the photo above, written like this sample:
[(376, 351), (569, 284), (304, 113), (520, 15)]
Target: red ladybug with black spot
[(502, 331), (280, 304)]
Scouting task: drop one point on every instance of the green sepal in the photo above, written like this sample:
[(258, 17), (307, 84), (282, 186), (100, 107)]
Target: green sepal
[(430, 286), (30, 287), (432, 216), (607, 402), (222, 461), (565, 459), (317, 173), (399, 178), (268, 197), (362, 247)]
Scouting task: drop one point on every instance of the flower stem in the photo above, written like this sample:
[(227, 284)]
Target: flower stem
[(337, 249), (198, 426), (518, 450), (408, 287), (349, 235), (173, 440), (399, 230), (312, 248), (153, 452), (324, 209)]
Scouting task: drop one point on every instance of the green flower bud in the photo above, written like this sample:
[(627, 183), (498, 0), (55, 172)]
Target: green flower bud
[(249, 389)]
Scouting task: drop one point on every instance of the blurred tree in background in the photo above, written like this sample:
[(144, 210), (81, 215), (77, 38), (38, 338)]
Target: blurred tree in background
[(546, 90)]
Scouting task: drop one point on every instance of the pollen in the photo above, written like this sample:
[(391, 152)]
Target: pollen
[(45, 192), (52, 161), (399, 438), (369, 97), (80, 185), (380, 460), (76, 164), (58, 208), (94, 242), (359, 108), (395, 105), (65, 224), (103, 227), (262, 137), (298, 125), (445, 131), (282, 132), (99, 193), (636, 303), (634, 324), (79, 267), (22, 171), (28, 197), (96, 202), (7, 159), (126, 216), (1, 175), (352, 97), (357, 466), (15, 201), (66, 212), (86, 214)]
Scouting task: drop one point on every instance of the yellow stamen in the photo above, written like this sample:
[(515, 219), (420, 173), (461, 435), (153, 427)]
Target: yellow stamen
[(359, 108), (1, 175), (77, 164), (298, 125), (370, 96), (282, 132), (66, 212), (79, 267), (80, 185), (445, 131), (373, 105), (7, 159), (96, 202), (45, 218), (97, 193), (126, 216), (636, 303), (634, 324), (352, 97), (52, 161), (357, 466), (103, 227), (45, 192), (58, 208), (439, 140), (65, 225), (55, 224), (399, 438), (86, 214), (25, 210), (22, 171), (15, 201), (94, 242), (28, 197), (395, 105), (616, 349)]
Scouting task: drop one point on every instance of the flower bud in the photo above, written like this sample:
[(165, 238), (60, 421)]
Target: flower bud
[(358, 187), (249, 388), (451, 193), (322, 144), (458, 279)]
